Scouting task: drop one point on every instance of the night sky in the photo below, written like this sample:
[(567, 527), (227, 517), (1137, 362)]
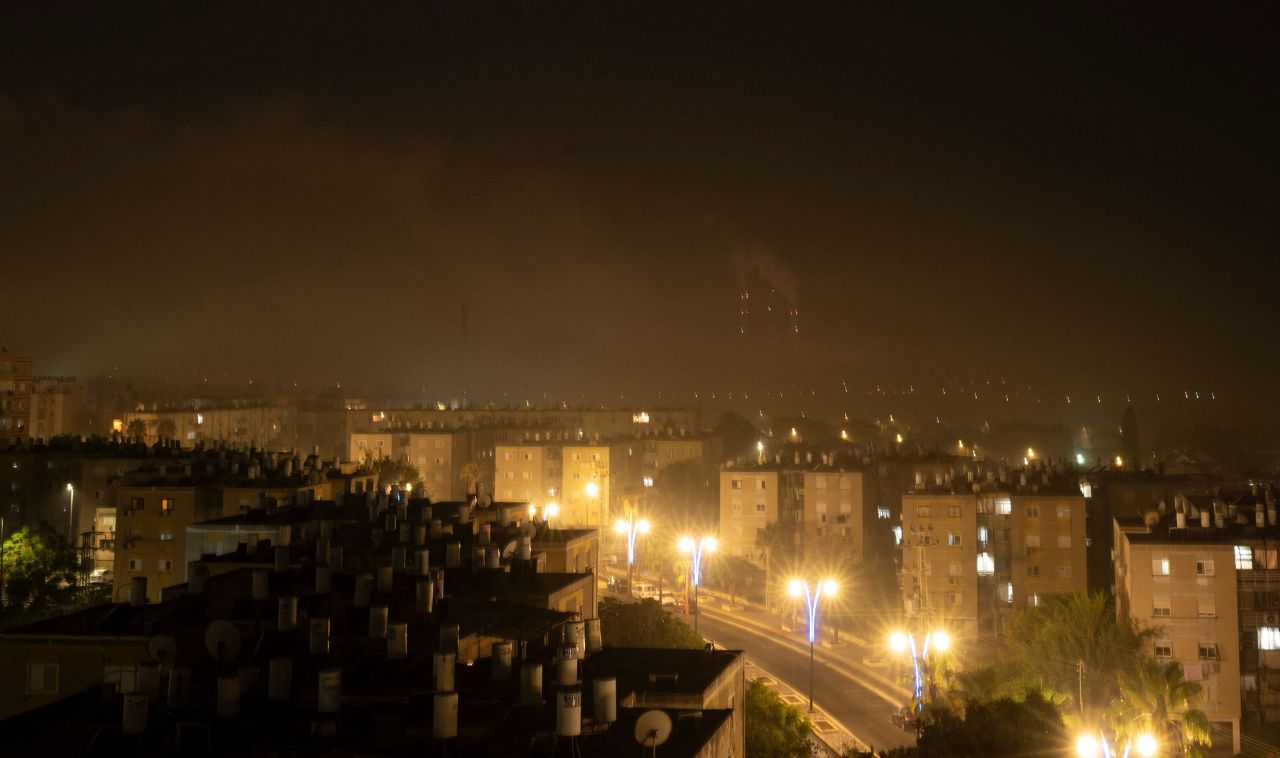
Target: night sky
[(1066, 198)]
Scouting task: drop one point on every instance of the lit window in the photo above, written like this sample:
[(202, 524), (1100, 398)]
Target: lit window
[(1269, 638), (648, 481), (735, 484), (1033, 540), (986, 564), (1204, 568), (1064, 511), (953, 539), (1244, 558), (1008, 592), (166, 506), (953, 511), (1034, 600), (166, 536), (897, 535), (1004, 506), (1086, 489), (882, 512), (1159, 566), (982, 534)]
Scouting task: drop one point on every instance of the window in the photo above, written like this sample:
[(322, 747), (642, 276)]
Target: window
[(1265, 558), (953, 598), (1034, 600), (1064, 540), (1033, 571), (42, 678), (1244, 558), (759, 507), (1208, 651), (1086, 489), (986, 564), (953, 511), (882, 512), (954, 569), (1064, 511), (1269, 638), (737, 507), (1160, 605), (136, 503), (1064, 571), (166, 565), (1206, 607), (982, 534), (1033, 540), (507, 455), (1033, 511), (1008, 592), (166, 536), (135, 564), (763, 484), (648, 481), (819, 483), (1164, 649), (735, 484), (953, 539), (508, 475), (1204, 568), (1004, 506), (1159, 566), (922, 511)]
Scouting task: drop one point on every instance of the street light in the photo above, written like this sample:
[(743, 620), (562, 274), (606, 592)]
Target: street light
[(902, 642), (631, 527), (694, 548), (593, 491), (1091, 746), (71, 508), (797, 588)]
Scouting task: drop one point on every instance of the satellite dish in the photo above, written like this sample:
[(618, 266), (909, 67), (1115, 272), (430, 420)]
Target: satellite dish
[(485, 501), (977, 488), (222, 640), (162, 648), (653, 728)]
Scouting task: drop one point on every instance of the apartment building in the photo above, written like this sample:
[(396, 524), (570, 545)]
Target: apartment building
[(755, 495), (438, 454), (974, 551), (832, 511), (15, 397), (588, 480), (1204, 573)]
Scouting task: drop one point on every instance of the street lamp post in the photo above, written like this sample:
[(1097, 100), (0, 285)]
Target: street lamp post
[(71, 508), (799, 588), (694, 548), (901, 642), (630, 527)]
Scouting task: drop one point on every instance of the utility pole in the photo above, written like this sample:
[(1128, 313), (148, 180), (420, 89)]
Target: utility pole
[(1080, 684)]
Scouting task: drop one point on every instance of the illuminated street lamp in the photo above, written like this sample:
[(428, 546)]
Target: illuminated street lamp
[(1089, 745), (631, 527), (798, 588), (593, 491), (902, 642), (71, 508), (694, 547)]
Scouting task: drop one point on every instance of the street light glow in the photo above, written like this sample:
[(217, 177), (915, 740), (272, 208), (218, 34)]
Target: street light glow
[(686, 544), (70, 486), (1145, 745), (795, 588), (593, 489), (552, 510), (941, 641), (1086, 746), (643, 526), (710, 543), (829, 587), (620, 526), (898, 642)]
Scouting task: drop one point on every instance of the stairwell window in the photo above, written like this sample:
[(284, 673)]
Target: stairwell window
[(1269, 638), (986, 564), (1159, 566), (1244, 558)]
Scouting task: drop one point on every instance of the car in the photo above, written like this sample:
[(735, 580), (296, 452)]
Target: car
[(903, 718), (646, 591), (101, 576), (668, 597)]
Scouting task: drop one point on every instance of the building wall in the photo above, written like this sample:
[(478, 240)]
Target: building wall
[(81, 663), (527, 473), (749, 499), (939, 558), (833, 509), (151, 539), (15, 397), (1192, 609)]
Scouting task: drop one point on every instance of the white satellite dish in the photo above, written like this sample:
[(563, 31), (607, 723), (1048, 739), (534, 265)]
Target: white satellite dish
[(222, 640), (485, 501), (653, 728), (162, 648), (977, 488)]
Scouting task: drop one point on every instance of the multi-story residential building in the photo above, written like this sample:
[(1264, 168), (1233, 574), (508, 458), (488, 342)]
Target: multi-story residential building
[(59, 406), (15, 397), (590, 481), (972, 552), (754, 496), (439, 455), (247, 423), (1204, 573), (833, 511)]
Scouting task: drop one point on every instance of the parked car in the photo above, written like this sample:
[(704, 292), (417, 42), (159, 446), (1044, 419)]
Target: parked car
[(668, 597), (101, 576), (645, 590), (903, 718)]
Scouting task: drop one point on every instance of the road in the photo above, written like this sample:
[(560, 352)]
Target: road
[(863, 708)]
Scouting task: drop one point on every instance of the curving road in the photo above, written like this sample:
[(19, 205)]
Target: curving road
[(851, 696)]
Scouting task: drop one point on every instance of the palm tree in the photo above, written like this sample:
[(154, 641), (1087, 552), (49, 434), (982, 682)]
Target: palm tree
[(470, 475), (136, 429), (1155, 697), (773, 540)]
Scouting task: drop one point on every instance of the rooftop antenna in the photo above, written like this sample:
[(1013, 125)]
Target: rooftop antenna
[(652, 729)]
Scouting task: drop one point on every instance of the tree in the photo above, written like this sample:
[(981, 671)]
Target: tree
[(136, 429), (470, 474), (644, 624), (773, 542), (166, 429), (39, 574), (1047, 644), (731, 573), (683, 492), (1032, 726), (1156, 698), (739, 435), (392, 471), (774, 729)]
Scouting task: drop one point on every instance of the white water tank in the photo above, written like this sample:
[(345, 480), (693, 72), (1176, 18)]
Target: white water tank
[(378, 622), (449, 637), (525, 549), (318, 636), (531, 684), (397, 641), (363, 592), (423, 596), (386, 579), (492, 557), (422, 561), (605, 700), (287, 613), (567, 670), (444, 717), (228, 696), (595, 640), (135, 713), (281, 557), (1180, 519), (1206, 518), (324, 579), (259, 585), (575, 634), (329, 695), (442, 668), (279, 678), (569, 712), (419, 534), (452, 555), (503, 654)]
